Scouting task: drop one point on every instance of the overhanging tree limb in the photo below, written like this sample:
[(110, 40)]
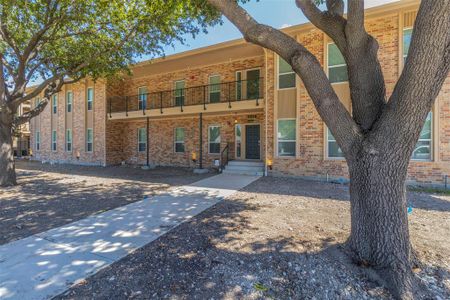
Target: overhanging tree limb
[(330, 108)]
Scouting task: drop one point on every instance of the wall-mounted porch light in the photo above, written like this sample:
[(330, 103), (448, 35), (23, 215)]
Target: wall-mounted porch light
[(78, 155), (194, 156), (269, 163)]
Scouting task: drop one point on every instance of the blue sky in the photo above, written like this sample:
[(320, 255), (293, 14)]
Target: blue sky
[(277, 13)]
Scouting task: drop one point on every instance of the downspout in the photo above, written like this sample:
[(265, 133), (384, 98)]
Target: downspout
[(265, 113)]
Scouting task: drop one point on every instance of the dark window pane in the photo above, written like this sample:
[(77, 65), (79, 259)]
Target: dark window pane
[(286, 148), (286, 81), (214, 97), (214, 148), (179, 147), (338, 74), (334, 150)]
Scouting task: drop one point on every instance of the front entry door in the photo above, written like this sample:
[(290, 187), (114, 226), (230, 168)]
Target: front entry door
[(252, 142)]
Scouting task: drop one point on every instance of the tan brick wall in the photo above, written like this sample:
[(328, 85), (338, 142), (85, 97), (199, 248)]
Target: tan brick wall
[(97, 156)]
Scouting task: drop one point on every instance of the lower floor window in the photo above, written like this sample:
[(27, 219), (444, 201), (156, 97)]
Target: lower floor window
[(214, 139), (334, 151), (286, 137), (54, 140), (422, 151), (179, 140), (38, 140), (89, 140), (69, 140), (142, 140)]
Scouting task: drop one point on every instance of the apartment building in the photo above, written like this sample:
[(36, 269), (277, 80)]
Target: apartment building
[(232, 102), (21, 138)]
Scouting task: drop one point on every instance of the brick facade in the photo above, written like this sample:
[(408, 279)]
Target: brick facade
[(116, 140)]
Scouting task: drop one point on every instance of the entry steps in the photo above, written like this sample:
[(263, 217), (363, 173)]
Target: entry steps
[(244, 167)]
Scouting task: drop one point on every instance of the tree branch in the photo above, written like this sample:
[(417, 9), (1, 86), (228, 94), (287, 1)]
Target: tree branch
[(355, 22), (305, 64)]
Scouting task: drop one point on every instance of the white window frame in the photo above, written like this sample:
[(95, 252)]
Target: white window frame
[(67, 102), (69, 141), (335, 66), (89, 142), (38, 141), (183, 94), (91, 101), (54, 140), (142, 100), (295, 141), (285, 73), (209, 139), (327, 147), (403, 46), (139, 142), (175, 142), (210, 84), (431, 140), (55, 104)]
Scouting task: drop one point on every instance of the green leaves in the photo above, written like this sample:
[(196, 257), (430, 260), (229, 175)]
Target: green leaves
[(94, 38)]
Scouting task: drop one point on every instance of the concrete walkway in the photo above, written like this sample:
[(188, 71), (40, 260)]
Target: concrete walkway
[(46, 264)]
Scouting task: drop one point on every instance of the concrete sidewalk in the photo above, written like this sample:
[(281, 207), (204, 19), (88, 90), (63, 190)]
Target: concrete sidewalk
[(46, 264)]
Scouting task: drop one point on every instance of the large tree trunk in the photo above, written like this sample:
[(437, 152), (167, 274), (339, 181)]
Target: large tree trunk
[(379, 223), (7, 168)]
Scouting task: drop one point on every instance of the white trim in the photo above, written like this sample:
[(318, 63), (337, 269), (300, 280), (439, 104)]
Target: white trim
[(327, 66), (295, 140), (139, 97), (277, 69), (138, 142), (175, 142), (67, 141), (87, 99), (209, 86), (55, 141), (67, 102), (87, 140), (209, 139)]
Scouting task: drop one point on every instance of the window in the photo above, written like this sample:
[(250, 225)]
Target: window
[(90, 98), (179, 93), (89, 140), (286, 137), (69, 101), (214, 139), (54, 140), (333, 148), (142, 140), (214, 89), (407, 34), (179, 140), (142, 98), (238, 140), (38, 141), (55, 104), (286, 76), (337, 69), (422, 151), (252, 84), (69, 140), (238, 85)]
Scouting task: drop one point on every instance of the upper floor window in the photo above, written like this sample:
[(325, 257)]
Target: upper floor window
[(142, 97), (179, 139), (407, 34), (55, 104), (286, 137), (214, 139), (337, 68), (179, 92), (54, 137), (69, 101), (90, 98), (89, 140), (69, 140), (333, 149), (142, 140), (286, 75), (214, 89), (424, 145)]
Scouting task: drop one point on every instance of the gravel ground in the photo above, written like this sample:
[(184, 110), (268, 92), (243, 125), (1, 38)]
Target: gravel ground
[(276, 239), (49, 196)]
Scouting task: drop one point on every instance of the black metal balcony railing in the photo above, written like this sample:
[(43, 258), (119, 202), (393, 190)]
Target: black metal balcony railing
[(227, 92)]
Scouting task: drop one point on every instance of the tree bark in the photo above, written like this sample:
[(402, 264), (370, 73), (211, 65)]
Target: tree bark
[(7, 168), (379, 235)]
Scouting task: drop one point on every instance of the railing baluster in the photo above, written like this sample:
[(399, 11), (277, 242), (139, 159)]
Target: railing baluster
[(204, 97), (229, 95), (160, 101)]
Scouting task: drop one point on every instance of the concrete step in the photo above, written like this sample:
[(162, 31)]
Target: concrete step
[(246, 163), (244, 168), (241, 172)]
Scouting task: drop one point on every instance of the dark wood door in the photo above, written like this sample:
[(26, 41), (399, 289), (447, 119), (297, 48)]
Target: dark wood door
[(252, 142)]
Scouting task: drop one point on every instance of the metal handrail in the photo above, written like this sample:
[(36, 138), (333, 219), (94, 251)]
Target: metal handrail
[(224, 162), (226, 92)]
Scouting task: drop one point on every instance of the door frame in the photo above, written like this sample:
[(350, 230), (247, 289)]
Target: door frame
[(243, 141)]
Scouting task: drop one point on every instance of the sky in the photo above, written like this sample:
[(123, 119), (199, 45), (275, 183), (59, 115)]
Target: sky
[(277, 13)]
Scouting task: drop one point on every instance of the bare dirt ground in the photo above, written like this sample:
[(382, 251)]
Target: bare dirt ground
[(49, 196), (277, 239)]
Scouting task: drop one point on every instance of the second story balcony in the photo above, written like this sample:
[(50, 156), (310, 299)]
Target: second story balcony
[(228, 96)]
